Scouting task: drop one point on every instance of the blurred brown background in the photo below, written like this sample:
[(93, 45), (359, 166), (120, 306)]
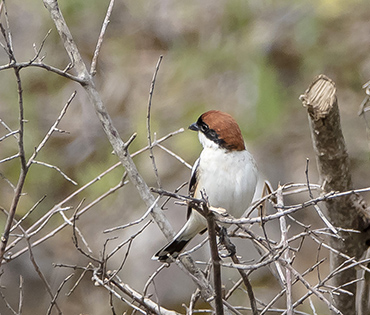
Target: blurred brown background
[(251, 59)]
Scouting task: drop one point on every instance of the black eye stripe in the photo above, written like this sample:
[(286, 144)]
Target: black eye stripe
[(211, 134)]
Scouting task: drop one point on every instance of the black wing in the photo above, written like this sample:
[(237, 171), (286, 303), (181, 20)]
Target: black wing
[(192, 184)]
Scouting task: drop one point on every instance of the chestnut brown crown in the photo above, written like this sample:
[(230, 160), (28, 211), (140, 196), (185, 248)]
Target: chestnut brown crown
[(220, 128)]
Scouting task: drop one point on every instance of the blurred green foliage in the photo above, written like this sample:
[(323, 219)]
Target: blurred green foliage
[(250, 58)]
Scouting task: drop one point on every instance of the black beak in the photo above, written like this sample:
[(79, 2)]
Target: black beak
[(194, 127)]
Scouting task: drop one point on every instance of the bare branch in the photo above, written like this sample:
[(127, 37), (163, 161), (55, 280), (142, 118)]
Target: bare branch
[(52, 303), (15, 156), (151, 91), (24, 169), (21, 295), (48, 135), (216, 267), (132, 237), (7, 303), (15, 133), (284, 243), (55, 168), (143, 217), (27, 214), (136, 296), (101, 37), (312, 289), (55, 209), (42, 65), (175, 156), (12, 133), (38, 270), (38, 50)]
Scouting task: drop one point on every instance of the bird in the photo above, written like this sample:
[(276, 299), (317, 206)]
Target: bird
[(225, 172)]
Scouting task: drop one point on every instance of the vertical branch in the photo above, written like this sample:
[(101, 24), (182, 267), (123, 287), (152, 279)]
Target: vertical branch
[(21, 295), (364, 304), (150, 144), (215, 259), (284, 243), (248, 286), (23, 170), (350, 211)]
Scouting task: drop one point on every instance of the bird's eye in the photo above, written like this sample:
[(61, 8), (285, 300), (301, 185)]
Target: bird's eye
[(204, 127)]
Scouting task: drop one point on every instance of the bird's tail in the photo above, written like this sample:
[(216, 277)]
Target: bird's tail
[(171, 250), (195, 224)]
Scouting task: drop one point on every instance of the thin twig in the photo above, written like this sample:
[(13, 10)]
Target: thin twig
[(101, 37), (15, 133), (75, 241), (27, 214), (62, 226), (55, 168), (85, 270), (312, 289), (48, 135), (151, 278), (21, 295), (39, 272), (145, 302), (15, 156), (21, 65), (52, 303), (143, 217), (151, 91), (38, 51), (132, 237), (24, 164), (12, 133), (177, 157), (7, 304), (248, 286)]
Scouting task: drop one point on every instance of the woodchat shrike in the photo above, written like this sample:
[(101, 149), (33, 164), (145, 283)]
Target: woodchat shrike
[(225, 171)]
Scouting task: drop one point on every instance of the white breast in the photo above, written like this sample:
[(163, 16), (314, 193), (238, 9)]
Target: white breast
[(228, 178)]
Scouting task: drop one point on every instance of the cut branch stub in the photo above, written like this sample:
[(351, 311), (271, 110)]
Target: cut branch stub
[(319, 97)]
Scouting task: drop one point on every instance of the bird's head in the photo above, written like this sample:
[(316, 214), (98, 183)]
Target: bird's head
[(217, 129)]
